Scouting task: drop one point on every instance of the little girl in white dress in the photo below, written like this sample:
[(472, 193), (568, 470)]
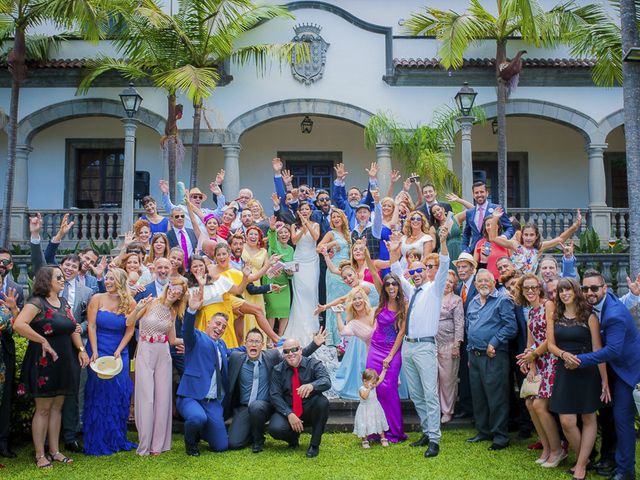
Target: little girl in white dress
[(370, 418)]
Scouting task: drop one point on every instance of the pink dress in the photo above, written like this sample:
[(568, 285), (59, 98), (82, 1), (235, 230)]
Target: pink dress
[(153, 381), (546, 364)]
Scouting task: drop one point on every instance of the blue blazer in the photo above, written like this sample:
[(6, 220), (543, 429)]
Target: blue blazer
[(149, 291), (621, 340), (200, 361), (472, 232)]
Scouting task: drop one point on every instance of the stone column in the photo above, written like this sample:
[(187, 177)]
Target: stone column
[(19, 212), (599, 213), (126, 219), (383, 159), (447, 150), (231, 170), (466, 124)]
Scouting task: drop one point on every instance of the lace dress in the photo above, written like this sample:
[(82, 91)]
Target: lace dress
[(370, 418)]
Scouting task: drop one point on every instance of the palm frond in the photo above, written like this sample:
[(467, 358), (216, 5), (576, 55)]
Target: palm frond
[(445, 122), (196, 83), (88, 17), (103, 64)]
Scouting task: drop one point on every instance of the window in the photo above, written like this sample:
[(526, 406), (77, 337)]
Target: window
[(615, 166), (94, 173), (485, 168), (312, 168)]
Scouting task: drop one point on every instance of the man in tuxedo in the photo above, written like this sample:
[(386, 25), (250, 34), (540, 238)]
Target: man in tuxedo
[(475, 218), (430, 197), (323, 217), (621, 352), (249, 384), (8, 352), (297, 384), (180, 236), (204, 387), (466, 289)]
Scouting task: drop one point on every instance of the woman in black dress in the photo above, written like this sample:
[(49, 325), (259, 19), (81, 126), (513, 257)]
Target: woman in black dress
[(47, 374), (572, 328)]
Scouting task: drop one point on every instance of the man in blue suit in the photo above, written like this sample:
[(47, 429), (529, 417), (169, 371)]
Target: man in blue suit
[(475, 218), (203, 389), (621, 351)]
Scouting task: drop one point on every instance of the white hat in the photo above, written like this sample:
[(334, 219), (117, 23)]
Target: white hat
[(466, 257), (107, 367)]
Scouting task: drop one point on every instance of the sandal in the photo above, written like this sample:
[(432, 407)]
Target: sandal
[(384, 442), (44, 465), (53, 457), (365, 444)]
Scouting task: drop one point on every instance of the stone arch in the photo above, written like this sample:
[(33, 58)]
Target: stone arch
[(610, 123), (553, 112), (84, 107), (295, 107)]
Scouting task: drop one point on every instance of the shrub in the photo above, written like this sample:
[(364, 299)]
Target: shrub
[(21, 406)]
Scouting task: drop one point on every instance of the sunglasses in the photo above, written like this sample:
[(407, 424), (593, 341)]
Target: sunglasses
[(5, 261), (593, 288), (136, 250), (303, 190), (416, 270), (323, 199), (530, 288), (59, 277), (391, 284), (287, 351), (416, 219), (197, 197), (178, 216)]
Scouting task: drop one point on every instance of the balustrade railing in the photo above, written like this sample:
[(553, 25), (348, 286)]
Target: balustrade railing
[(96, 224)]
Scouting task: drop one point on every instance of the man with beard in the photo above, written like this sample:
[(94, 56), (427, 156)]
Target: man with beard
[(8, 351), (491, 324), (349, 200), (430, 197)]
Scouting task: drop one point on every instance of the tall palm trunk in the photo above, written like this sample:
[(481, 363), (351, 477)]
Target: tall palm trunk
[(195, 144), (17, 67), (631, 98), (172, 131), (501, 109)]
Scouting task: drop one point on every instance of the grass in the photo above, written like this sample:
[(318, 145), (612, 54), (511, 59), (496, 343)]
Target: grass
[(341, 457)]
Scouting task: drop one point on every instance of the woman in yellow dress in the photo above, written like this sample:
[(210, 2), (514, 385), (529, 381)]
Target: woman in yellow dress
[(256, 256)]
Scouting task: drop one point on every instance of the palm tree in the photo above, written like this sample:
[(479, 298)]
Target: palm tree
[(17, 19), (524, 19), (600, 37)]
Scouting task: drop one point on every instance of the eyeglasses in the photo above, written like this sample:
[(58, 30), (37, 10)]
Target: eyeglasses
[(59, 277), (5, 261), (530, 288), (416, 218), (178, 216), (416, 270), (593, 288), (255, 341), (391, 284), (430, 266), (287, 351)]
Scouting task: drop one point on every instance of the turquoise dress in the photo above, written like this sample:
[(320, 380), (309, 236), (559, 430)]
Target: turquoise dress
[(336, 288), (454, 242)]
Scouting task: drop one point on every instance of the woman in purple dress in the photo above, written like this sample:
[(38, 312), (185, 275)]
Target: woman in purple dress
[(385, 351)]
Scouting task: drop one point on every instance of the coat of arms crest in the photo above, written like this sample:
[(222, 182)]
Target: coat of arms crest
[(311, 69)]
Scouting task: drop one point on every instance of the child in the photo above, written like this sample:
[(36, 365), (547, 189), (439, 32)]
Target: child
[(370, 417), (413, 255)]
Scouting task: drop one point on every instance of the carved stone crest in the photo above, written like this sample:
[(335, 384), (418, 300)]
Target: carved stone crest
[(310, 69)]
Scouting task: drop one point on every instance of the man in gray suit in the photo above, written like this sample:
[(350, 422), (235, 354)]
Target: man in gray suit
[(249, 384)]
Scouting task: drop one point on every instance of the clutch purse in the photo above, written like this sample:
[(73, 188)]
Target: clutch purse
[(530, 388)]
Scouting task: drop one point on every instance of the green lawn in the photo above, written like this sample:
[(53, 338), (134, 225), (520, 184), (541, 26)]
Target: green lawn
[(340, 457)]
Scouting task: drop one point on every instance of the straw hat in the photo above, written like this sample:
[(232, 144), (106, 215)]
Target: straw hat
[(466, 257), (197, 191), (107, 367)]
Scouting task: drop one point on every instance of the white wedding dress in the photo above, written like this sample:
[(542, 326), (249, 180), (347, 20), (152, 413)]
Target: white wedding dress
[(303, 324)]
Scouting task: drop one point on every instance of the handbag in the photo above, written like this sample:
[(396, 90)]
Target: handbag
[(530, 388)]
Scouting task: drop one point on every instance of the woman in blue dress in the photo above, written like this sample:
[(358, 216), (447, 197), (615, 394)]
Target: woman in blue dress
[(157, 223), (106, 404)]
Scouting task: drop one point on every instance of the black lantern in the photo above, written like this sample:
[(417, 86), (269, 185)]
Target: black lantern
[(131, 100), (465, 98), (306, 125), (494, 126)]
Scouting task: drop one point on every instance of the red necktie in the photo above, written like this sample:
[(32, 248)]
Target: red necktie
[(464, 293), (297, 399), (183, 244)]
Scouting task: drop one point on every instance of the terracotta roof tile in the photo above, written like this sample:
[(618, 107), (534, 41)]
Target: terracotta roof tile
[(434, 63)]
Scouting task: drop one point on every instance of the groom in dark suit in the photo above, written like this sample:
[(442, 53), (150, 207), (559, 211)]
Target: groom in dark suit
[(475, 219), (249, 385), (621, 352)]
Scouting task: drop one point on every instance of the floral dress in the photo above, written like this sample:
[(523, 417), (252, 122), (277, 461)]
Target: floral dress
[(41, 376), (525, 259), (545, 364)]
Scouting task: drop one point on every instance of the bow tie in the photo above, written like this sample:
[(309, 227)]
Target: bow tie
[(236, 259)]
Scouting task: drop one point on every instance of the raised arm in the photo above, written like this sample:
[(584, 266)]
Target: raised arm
[(564, 236), (452, 197)]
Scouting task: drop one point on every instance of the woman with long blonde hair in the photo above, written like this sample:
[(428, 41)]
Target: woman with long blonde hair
[(156, 318), (106, 404)]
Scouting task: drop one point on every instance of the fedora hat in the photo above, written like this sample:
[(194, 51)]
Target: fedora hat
[(107, 367), (466, 257), (197, 191)]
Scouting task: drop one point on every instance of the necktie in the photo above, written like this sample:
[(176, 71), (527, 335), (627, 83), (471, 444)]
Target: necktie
[(464, 293), (183, 244), (413, 299), (297, 399), (254, 383), (65, 292), (480, 216), (218, 374)]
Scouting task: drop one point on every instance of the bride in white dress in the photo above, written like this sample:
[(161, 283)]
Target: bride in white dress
[(303, 324)]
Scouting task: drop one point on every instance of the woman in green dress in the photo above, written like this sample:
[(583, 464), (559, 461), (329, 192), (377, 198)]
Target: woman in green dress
[(279, 304), (454, 239)]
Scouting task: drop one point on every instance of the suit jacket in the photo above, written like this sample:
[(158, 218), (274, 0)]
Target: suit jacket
[(200, 361), (271, 357), (621, 340), (310, 371), (174, 242), (79, 308), (8, 346), (472, 292), (472, 232), (149, 291), (317, 216), (424, 208)]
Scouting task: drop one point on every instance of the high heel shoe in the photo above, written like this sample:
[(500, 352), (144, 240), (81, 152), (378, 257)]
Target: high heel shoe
[(542, 460), (556, 462)]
